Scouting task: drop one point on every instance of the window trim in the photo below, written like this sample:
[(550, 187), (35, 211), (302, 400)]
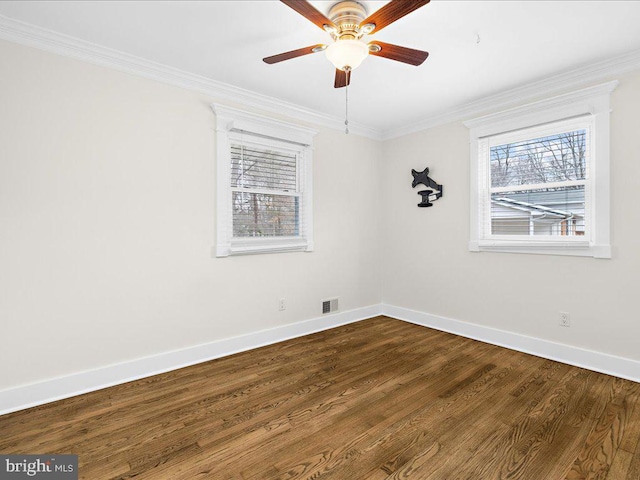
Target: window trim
[(592, 101), (229, 123)]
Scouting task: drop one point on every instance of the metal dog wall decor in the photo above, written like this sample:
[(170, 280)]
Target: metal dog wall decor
[(435, 189)]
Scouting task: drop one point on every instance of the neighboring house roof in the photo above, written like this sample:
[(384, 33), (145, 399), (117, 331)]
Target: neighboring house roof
[(541, 205), (549, 197), (531, 208)]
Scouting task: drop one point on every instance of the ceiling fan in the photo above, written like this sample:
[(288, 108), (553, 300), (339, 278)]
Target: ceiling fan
[(347, 24)]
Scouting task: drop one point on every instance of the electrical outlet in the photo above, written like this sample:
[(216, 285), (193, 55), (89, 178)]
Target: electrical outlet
[(281, 305), (564, 319)]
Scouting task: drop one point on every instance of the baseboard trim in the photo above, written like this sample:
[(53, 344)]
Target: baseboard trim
[(27, 396), (579, 357)]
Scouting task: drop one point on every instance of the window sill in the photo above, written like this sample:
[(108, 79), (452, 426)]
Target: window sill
[(250, 246), (574, 249)]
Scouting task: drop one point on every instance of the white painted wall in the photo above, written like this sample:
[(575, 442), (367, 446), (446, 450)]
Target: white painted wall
[(428, 268), (107, 219)]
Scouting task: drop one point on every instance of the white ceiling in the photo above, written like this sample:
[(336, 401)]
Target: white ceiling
[(477, 48)]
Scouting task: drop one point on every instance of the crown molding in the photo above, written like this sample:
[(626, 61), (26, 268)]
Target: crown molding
[(550, 86), (585, 99), (65, 45), (44, 39)]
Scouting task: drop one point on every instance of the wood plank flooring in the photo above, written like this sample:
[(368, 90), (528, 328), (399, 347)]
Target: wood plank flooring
[(379, 399)]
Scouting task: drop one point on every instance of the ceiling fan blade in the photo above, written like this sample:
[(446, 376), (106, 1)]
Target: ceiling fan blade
[(398, 53), (309, 12), (293, 54), (391, 12), (342, 78)]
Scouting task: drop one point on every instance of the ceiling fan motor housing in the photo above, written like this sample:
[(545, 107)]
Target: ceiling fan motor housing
[(347, 16)]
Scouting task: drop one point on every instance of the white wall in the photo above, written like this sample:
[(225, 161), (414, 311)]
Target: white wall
[(107, 222), (428, 268), (107, 215)]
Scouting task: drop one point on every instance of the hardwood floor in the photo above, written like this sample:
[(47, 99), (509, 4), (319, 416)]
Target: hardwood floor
[(379, 399)]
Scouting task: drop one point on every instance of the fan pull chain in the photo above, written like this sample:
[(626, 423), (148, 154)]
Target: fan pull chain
[(347, 71)]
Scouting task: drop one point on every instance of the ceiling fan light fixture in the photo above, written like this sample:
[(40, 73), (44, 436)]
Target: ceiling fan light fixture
[(329, 29), (347, 53), (367, 28)]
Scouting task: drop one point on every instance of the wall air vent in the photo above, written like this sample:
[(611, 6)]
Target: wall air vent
[(330, 305)]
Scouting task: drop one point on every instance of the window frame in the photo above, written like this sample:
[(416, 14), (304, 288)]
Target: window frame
[(539, 131), (591, 103), (233, 126)]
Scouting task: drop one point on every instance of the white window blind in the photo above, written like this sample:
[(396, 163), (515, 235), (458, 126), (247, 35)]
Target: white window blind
[(266, 192), (536, 182)]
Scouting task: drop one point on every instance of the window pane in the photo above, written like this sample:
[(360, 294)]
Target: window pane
[(554, 158), (254, 167), (558, 212), (262, 215)]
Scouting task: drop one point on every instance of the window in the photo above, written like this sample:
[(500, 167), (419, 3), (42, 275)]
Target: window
[(537, 182), (265, 191), (540, 177), (264, 184)]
